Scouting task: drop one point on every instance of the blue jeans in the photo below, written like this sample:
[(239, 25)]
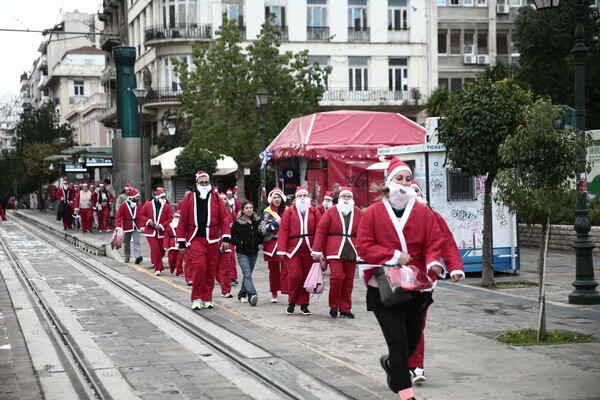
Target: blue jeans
[(247, 265)]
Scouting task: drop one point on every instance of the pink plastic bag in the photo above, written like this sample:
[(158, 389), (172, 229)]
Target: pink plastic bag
[(408, 277), (117, 239), (314, 282)]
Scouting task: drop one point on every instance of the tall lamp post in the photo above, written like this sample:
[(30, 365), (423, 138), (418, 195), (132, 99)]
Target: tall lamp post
[(262, 100), (585, 285), (140, 95)]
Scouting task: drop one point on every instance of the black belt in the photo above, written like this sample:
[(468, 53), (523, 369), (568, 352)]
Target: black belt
[(302, 236), (342, 234)]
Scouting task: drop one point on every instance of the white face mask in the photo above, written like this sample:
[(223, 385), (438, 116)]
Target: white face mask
[(346, 206), (162, 200), (175, 222), (397, 199), (303, 204), (327, 204), (204, 191)]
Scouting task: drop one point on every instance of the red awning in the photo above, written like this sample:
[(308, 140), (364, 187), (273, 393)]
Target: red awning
[(345, 134)]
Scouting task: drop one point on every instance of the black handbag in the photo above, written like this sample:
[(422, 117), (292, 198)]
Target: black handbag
[(388, 297)]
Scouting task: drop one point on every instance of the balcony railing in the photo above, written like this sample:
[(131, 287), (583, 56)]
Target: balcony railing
[(179, 31), (398, 35), (371, 95), (359, 34), (160, 95), (317, 33)]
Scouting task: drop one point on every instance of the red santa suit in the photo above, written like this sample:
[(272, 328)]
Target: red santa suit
[(103, 200), (226, 262), (334, 240), (202, 241), (128, 219), (2, 215), (170, 244), (67, 196), (155, 217), (84, 202), (296, 236)]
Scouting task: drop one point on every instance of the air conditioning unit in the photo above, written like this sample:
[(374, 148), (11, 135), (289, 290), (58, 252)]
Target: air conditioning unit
[(483, 59), (502, 9), (470, 59)]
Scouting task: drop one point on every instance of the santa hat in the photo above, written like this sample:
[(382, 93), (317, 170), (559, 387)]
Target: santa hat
[(301, 189), (396, 165), (83, 184), (223, 195), (328, 195), (160, 192), (229, 191), (415, 185), (101, 184), (128, 186), (177, 213), (201, 173), (273, 192), (345, 190), (133, 193)]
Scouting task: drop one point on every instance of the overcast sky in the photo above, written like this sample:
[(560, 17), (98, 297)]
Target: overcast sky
[(19, 49)]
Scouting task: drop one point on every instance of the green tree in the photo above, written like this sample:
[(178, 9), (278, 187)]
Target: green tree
[(219, 94), (478, 120), (546, 63), (438, 102), (192, 159), (539, 183)]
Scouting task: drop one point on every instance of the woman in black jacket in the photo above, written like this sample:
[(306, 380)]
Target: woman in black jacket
[(246, 237)]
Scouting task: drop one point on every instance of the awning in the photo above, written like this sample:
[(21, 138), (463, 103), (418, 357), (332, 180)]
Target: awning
[(166, 161)]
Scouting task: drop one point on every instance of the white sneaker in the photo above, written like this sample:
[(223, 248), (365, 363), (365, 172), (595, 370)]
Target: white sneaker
[(157, 273), (418, 375), (274, 298), (197, 304), (243, 299), (253, 300)]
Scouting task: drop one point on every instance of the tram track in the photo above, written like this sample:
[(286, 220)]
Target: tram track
[(268, 377)]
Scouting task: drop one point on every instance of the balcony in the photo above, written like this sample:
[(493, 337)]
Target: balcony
[(359, 34), (108, 42), (76, 99), (372, 95), (317, 33), (180, 31), (108, 73), (162, 95), (398, 35)]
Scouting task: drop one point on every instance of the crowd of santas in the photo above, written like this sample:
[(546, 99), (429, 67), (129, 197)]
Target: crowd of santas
[(81, 206)]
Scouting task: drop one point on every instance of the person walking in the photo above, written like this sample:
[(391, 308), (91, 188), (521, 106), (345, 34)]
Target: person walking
[(66, 197), (83, 207), (170, 244), (269, 228), (335, 239), (123, 196), (203, 223), (225, 262), (155, 216), (327, 202), (395, 231), (103, 201), (2, 214), (296, 235), (246, 237), (128, 219), (235, 205)]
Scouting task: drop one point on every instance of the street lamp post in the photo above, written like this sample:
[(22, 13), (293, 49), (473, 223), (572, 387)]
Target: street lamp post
[(140, 95), (169, 130), (262, 100), (585, 285)]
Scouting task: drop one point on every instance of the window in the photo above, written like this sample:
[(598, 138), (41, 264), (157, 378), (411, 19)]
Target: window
[(176, 13), (461, 186), (316, 13), (481, 3), (441, 2), (443, 82), (468, 3), (455, 2), (357, 14), (78, 88), (358, 73), (502, 42), (455, 84), (234, 11), (171, 80), (468, 41), (397, 15), (442, 42), (482, 42), (279, 14), (398, 76), (323, 62), (455, 41)]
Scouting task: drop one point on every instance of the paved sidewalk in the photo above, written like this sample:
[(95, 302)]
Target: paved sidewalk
[(461, 361)]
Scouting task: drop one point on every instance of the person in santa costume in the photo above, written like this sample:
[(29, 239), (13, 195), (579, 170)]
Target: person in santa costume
[(2, 214), (236, 206), (128, 219), (66, 195), (454, 265), (169, 243), (335, 239), (203, 223), (327, 202), (296, 236), (225, 264), (398, 230), (269, 228), (84, 207), (155, 216), (103, 201)]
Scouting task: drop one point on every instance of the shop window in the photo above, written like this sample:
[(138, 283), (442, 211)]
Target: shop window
[(461, 186)]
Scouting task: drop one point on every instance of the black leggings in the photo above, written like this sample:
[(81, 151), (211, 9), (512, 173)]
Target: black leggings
[(401, 327)]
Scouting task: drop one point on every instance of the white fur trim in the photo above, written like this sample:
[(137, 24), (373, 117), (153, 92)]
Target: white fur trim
[(394, 260), (395, 172), (316, 253), (458, 272), (444, 271), (346, 191), (301, 191)]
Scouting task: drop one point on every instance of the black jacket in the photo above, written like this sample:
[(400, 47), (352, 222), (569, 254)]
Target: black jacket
[(245, 236)]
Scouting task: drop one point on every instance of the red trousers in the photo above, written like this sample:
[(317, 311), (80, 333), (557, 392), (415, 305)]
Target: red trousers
[(298, 267), (2, 215), (278, 277), (157, 252), (103, 218), (202, 257), (225, 271), (188, 273), (417, 359), (86, 219), (175, 262), (341, 284)]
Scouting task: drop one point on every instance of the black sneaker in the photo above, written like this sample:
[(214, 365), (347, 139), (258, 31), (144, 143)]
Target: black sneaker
[(347, 314), (383, 360), (333, 312), (305, 310), (234, 282), (138, 260), (290, 309)]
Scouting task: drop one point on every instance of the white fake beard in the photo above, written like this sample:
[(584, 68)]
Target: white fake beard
[(204, 191), (302, 205), (327, 204), (175, 222), (231, 201), (345, 206), (162, 200), (421, 200), (397, 199)]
